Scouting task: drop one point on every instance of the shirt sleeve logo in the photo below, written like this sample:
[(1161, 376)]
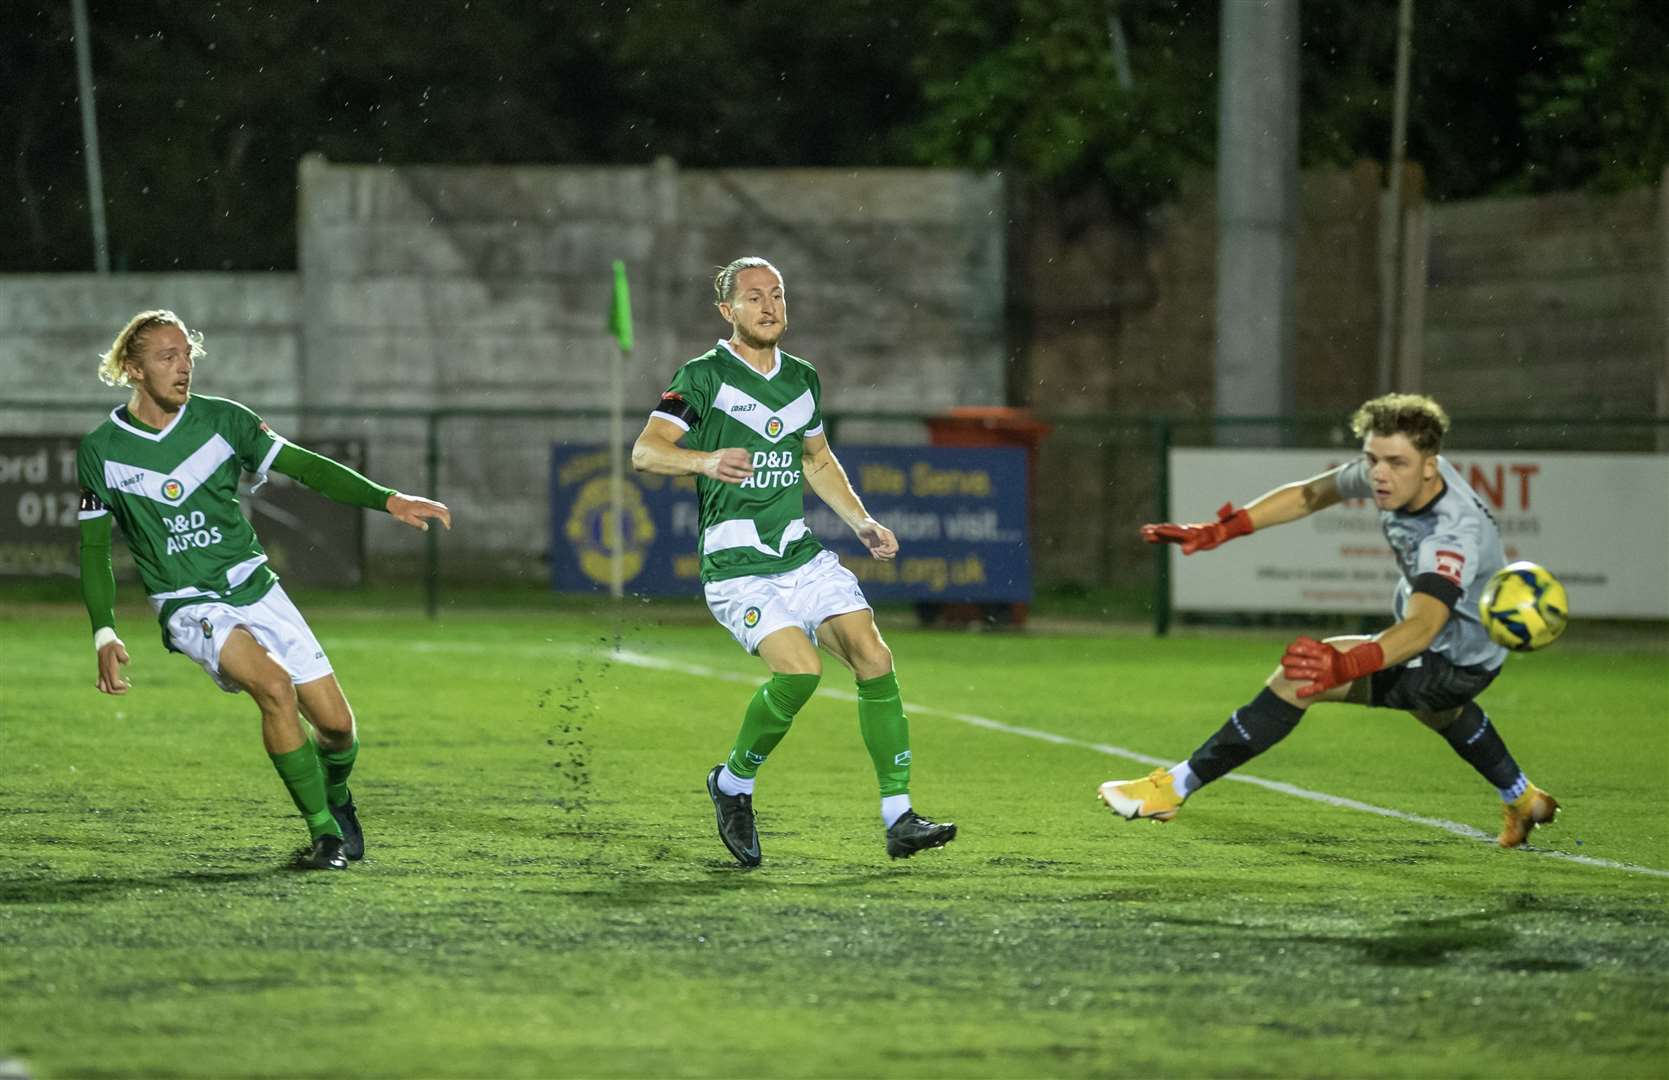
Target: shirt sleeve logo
[(90, 501), (1450, 564)]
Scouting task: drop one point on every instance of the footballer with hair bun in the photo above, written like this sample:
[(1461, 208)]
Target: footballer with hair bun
[(750, 416)]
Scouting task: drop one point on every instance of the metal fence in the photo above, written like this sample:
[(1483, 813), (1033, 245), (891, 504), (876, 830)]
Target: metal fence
[(1098, 476)]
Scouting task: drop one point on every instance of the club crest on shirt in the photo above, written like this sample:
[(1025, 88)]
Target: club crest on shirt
[(773, 427), (750, 618), (172, 489), (1449, 564)]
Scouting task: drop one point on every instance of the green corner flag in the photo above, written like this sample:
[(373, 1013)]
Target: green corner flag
[(620, 312)]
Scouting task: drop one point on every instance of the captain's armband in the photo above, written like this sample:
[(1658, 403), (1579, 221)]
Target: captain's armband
[(1439, 588), (673, 407)]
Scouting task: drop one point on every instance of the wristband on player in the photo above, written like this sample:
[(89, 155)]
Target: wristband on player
[(1234, 522), (103, 636), (1204, 536), (1364, 659), (1321, 667)]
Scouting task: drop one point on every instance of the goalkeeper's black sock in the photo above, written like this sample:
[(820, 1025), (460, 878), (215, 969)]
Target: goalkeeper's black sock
[(1250, 730), (1475, 739)]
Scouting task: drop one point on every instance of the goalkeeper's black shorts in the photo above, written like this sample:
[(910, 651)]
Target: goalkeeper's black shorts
[(1429, 683)]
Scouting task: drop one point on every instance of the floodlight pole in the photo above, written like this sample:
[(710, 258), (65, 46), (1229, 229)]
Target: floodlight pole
[(90, 134), (1257, 217), (1390, 239)]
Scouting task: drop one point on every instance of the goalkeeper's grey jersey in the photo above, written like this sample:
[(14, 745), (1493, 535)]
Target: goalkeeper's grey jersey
[(1455, 538)]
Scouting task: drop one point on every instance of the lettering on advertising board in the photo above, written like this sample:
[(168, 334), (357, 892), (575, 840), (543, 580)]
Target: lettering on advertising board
[(308, 538), (960, 517)]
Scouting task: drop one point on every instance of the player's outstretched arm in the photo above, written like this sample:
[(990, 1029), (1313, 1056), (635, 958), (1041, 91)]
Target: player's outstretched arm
[(657, 451), (829, 480), (336, 481), (1322, 666), (98, 592), (416, 511), (1289, 502)]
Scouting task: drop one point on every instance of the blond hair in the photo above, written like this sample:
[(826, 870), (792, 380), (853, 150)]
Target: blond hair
[(1414, 415), (724, 283), (113, 364)]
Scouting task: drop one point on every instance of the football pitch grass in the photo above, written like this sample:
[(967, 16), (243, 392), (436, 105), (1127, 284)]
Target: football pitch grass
[(543, 893)]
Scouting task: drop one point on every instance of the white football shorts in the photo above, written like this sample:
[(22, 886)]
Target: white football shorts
[(199, 631), (752, 608)]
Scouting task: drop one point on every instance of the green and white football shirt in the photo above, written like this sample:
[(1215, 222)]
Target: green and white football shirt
[(175, 494), (759, 525)]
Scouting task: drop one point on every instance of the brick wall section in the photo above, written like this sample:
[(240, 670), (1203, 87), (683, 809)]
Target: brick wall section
[(1120, 320)]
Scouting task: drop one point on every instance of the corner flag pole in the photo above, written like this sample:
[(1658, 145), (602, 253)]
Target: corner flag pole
[(620, 325)]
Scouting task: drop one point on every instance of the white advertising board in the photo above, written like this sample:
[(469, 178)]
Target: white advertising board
[(1600, 522)]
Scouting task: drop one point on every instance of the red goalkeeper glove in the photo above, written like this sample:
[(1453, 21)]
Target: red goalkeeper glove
[(1324, 667), (1230, 523)]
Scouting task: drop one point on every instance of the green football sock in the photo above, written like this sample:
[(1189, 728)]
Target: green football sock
[(305, 777), (338, 765), (886, 732), (766, 721)]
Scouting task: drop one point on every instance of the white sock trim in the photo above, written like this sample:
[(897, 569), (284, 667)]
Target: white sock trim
[(1184, 780), (893, 808), (731, 784)]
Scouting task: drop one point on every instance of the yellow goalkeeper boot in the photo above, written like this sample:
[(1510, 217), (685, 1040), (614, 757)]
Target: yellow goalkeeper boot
[(1534, 807), (1153, 797)]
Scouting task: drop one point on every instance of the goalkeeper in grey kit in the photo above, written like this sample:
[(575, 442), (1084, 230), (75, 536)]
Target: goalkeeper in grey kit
[(1434, 661), (166, 467)]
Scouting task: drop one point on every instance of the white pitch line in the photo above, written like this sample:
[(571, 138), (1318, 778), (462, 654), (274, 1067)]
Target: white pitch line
[(643, 660)]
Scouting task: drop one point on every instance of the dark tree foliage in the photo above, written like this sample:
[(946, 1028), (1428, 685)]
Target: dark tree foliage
[(1468, 62), (1597, 113), (1032, 85), (205, 106), (792, 82)]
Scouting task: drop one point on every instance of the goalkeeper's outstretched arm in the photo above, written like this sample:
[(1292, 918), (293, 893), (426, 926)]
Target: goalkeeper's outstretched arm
[(1296, 500), (1289, 502)]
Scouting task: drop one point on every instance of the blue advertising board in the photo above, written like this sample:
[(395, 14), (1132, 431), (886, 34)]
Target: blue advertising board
[(960, 517)]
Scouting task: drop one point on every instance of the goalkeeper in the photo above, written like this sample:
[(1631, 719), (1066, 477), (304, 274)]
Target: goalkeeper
[(1434, 661), (166, 466)]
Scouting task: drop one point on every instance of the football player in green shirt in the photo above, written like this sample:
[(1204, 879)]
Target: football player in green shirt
[(750, 416), (166, 467)]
